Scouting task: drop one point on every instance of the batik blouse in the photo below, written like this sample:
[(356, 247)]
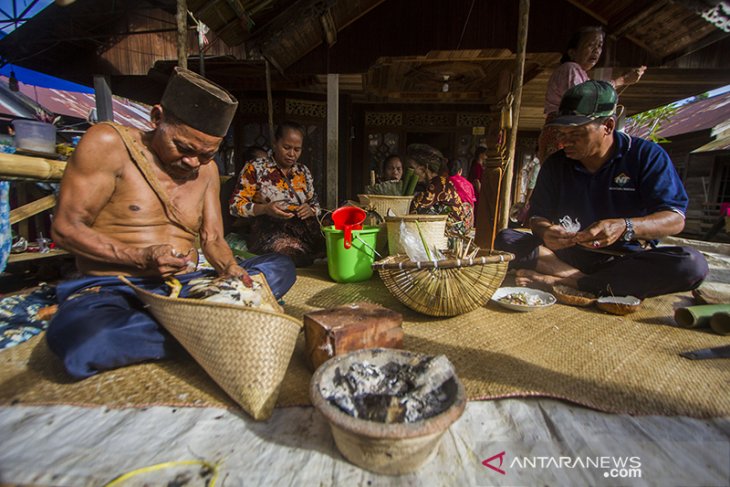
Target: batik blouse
[(440, 198), (262, 181)]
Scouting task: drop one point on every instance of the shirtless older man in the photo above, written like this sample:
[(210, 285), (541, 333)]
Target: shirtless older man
[(132, 203), (594, 204)]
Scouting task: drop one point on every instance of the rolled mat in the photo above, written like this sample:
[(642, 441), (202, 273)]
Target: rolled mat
[(698, 316), (246, 351)]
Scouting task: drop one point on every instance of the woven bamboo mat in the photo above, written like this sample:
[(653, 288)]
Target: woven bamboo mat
[(610, 363)]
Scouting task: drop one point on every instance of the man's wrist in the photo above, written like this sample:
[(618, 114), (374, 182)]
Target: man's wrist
[(138, 257), (629, 233)]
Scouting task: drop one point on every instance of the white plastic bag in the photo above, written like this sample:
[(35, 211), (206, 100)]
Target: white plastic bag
[(415, 246)]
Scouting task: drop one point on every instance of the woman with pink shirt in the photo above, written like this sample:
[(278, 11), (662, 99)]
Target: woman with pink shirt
[(463, 187), (584, 51)]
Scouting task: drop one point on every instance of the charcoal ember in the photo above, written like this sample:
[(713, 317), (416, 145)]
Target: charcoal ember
[(382, 408), (392, 392)]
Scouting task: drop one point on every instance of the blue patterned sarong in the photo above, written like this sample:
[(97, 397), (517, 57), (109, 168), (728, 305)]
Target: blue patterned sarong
[(102, 325), (5, 235)]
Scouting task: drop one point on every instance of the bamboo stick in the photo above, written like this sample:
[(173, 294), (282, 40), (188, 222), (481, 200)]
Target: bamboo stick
[(14, 166), (506, 195)]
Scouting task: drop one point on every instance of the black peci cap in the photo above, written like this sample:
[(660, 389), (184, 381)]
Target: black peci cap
[(199, 103)]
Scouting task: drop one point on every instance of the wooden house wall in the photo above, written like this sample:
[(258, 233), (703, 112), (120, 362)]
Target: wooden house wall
[(696, 173), (135, 54)]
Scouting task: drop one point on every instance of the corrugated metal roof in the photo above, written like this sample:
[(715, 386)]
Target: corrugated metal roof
[(722, 143), (76, 105), (693, 117)]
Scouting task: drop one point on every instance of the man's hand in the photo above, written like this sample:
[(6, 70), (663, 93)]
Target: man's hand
[(601, 234), (556, 237), (305, 211), (165, 260), (235, 270)]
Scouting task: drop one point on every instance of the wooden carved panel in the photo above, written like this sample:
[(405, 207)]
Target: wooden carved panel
[(473, 119), (306, 108), (383, 119), (429, 119), (380, 146), (257, 107)]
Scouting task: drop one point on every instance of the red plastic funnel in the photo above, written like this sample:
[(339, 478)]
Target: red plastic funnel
[(347, 219)]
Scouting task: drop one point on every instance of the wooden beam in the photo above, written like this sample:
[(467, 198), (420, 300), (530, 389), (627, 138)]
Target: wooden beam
[(269, 104), (33, 208), (506, 192), (25, 256), (240, 12), (181, 18), (333, 122), (617, 31), (329, 27), (578, 4)]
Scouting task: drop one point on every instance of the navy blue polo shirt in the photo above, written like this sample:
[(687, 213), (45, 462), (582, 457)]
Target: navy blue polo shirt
[(639, 179)]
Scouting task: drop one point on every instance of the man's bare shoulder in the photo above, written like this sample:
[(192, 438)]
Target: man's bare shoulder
[(102, 148)]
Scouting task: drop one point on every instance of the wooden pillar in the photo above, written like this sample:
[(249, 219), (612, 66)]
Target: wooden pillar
[(506, 193), (269, 103), (103, 95), (333, 112), (182, 33)]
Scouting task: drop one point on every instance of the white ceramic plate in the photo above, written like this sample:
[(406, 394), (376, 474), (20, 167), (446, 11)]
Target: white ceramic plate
[(547, 298)]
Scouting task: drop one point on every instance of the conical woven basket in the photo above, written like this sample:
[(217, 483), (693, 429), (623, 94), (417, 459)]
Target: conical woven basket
[(447, 287), (246, 351)]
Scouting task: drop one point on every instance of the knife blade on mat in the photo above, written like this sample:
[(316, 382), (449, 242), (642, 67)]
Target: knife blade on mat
[(707, 353)]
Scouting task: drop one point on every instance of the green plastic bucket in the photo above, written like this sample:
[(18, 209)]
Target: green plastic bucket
[(356, 263)]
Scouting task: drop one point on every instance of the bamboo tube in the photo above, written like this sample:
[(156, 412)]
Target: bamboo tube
[(14, 166), (698, 316), (720, 323)]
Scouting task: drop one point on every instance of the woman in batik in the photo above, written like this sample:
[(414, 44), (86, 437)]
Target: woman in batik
[(277, 194), (439, 196)]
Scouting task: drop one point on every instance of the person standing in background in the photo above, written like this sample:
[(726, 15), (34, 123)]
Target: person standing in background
[(583, 52)]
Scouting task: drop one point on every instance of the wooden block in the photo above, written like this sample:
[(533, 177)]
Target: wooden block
[(355, 326)]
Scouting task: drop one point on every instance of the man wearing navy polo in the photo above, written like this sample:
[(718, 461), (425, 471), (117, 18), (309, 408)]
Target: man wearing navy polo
[(600, 205)]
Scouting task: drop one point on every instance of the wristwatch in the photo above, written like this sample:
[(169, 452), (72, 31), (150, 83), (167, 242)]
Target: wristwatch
[(629, 234)]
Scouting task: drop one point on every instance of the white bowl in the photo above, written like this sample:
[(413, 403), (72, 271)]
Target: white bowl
[(546, 297)]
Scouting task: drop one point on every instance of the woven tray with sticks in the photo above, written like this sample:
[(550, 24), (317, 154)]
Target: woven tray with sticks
[(446, 287)]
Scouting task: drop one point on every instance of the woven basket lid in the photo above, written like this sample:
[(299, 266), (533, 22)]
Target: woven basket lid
[(246, 351)]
